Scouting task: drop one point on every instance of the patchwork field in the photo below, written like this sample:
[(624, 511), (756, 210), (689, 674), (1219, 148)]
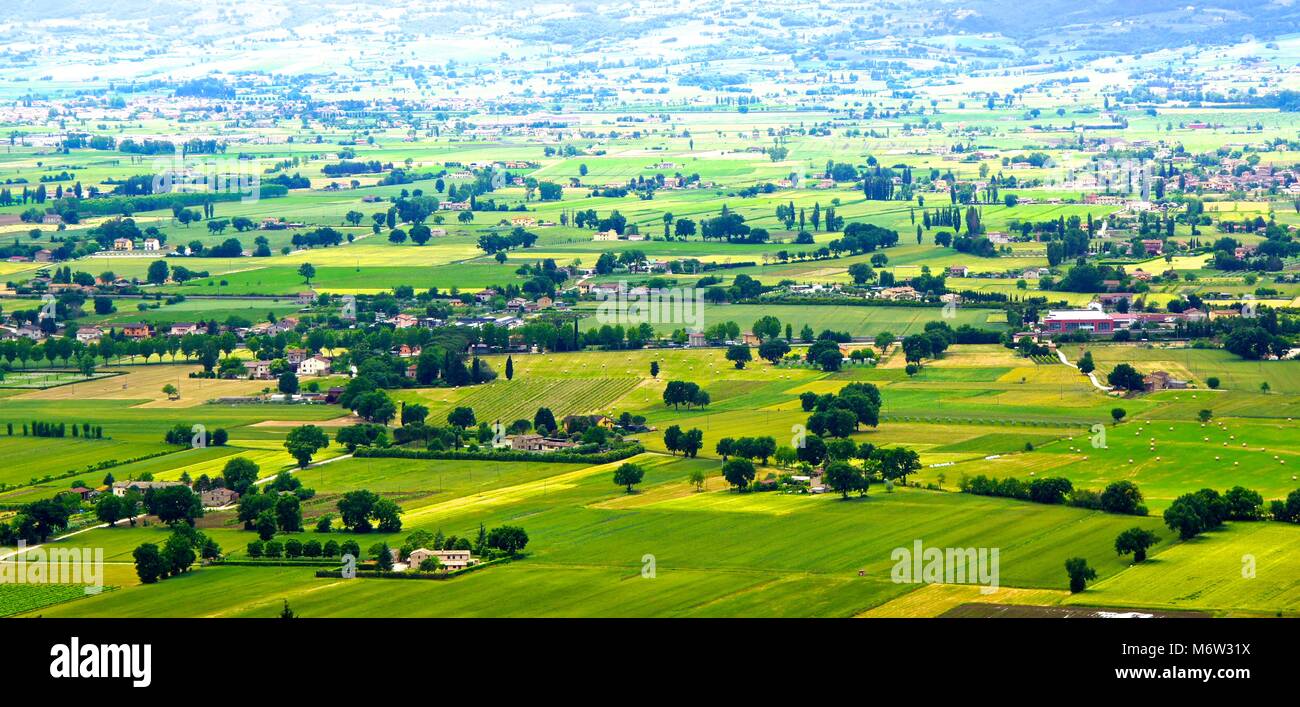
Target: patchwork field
[(1249, 569), (968, 174), (975, 410), (764, 548)]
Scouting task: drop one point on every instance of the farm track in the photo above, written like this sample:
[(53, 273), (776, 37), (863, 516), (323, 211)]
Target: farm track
[(1091, 376)]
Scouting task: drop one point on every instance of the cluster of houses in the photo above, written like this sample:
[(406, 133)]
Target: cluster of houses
[(512, 315), (300, 361), (122, 245), (211, 498), (43, 281), (138, 330), (522, 305), (537, 443), (1235, 174), (146, 330), (1026, 274), (277, 224)]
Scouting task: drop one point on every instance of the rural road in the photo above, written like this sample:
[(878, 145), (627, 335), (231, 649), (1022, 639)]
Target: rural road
[(29, 548), (1091, 376), (296, 469)]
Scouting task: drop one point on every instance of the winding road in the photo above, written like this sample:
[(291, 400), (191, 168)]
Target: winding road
[(1091, 376)]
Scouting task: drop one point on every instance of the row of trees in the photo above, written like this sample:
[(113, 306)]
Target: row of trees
[(1194, 513), (293, 548), (677, 393), (1121, 497), (39, 428)]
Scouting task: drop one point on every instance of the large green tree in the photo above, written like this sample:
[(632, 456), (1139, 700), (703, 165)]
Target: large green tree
[(628, 475), (303, 443), (1135, 541), (739, 473)]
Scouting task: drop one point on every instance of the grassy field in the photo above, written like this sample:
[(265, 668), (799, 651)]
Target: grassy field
[(1165, 460), (1197, 365), (24, 598), (134, 414), (670, 550), (46, 379), (251, 310), (1247, 569), (33, 458), (762, 547), (141, 387), (978, 409)]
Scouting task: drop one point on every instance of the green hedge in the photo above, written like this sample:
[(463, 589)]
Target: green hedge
[(90, 468), (304, 562)]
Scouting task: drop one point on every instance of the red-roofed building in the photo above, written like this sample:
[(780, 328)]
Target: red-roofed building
[(1093, 319)]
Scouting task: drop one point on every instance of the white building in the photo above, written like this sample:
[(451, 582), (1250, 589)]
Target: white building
[(450, 560), (314, 366)]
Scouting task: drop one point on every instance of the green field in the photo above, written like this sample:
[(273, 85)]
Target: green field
[(24, 598), (42, 379), (976, 410), (1249, 568), (735, 153), (719, 553), (761, 543)]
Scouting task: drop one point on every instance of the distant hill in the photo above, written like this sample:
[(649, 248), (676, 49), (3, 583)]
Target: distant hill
[(617, 30), (1126, 25)]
